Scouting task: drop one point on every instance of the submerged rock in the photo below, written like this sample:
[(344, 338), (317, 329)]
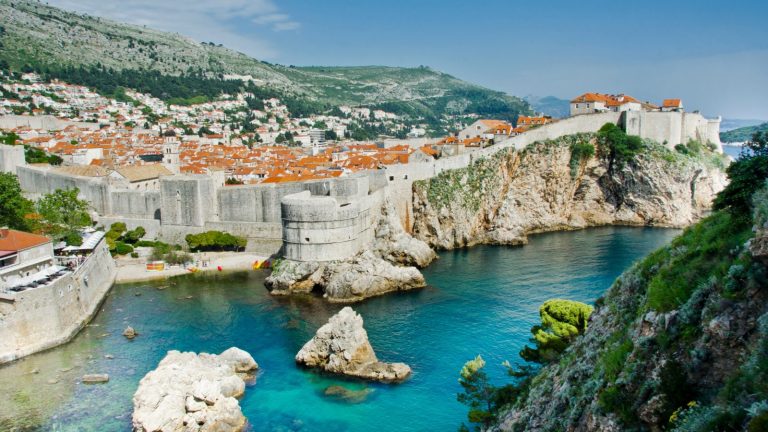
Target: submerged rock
[(95, 378), (344, 394), (341, 346), (130, 333), (191, 392)]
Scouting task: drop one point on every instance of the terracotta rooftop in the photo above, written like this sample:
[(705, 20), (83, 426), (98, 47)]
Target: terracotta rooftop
[(136, 173), (14, 241)]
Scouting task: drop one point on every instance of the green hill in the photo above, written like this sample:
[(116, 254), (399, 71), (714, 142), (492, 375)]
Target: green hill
[(742, 134), (104, 54)]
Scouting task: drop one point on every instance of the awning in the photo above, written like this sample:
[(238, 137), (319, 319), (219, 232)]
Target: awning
[(89, 242), (92, 240)]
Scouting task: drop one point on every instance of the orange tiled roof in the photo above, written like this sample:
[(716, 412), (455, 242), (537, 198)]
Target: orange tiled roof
[(672, 103), (12, 240)]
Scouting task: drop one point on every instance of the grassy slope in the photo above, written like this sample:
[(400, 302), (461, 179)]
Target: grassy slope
[(38, 33)]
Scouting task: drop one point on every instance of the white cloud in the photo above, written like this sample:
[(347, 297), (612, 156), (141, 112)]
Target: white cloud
[(221, 21), (278, 21)]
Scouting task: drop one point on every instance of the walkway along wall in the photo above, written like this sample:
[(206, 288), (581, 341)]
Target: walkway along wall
[(41, 318)]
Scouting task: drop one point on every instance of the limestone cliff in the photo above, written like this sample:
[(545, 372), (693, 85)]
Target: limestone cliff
[(503, 198), (388, 264)]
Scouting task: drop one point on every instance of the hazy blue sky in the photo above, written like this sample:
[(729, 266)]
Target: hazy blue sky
[(713, 55)]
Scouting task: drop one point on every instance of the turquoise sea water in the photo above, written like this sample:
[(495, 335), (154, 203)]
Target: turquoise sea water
[(480, 301)]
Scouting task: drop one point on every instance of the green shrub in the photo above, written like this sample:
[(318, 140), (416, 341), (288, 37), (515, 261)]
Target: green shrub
[(134, 254), (561, 321), (215, 240), (135, 235), (73, 238), (118, 227), (616, 146), (122, 248)]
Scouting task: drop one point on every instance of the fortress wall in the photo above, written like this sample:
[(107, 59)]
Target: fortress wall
[(11, 157), (45, 122), (152, 226), (673, 128), (322, 228), (187, 200), (41, 318), (42, 181), (263, 238), (136, 204)]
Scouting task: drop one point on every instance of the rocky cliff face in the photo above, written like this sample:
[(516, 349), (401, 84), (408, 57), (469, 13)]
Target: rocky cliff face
[(389, 265), (680, 342), (502, 199)]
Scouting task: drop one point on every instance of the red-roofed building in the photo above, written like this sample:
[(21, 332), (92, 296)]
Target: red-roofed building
[(672, 105), (481, 128), (22, 254), (590, 103)]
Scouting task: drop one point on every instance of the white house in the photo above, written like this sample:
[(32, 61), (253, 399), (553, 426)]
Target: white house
[(481, 128)]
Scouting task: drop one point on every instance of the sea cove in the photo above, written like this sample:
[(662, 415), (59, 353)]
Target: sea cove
[(481, 300)]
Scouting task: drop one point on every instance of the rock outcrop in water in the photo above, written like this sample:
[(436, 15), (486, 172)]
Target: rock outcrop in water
[(193, 392), (341, 346), (390, 264), (503, 198)]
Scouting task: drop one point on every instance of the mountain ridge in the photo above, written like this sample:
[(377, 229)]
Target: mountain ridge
[(41, 37)]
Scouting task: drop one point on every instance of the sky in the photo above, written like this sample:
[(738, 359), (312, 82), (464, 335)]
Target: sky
[(712, 54)]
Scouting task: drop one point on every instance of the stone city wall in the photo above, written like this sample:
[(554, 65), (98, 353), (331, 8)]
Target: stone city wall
[(41, 318), (45, 122), (11, 157), (37, 180)]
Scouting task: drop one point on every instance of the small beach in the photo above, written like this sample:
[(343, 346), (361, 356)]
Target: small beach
[(135, 269)]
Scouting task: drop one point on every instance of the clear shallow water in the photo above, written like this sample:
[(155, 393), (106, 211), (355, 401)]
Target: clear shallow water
[(480, 301)]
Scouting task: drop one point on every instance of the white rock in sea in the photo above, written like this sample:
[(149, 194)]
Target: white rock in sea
[(191, 392), (341, 346)]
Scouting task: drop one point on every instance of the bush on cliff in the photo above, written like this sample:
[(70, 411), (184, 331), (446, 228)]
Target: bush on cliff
[(561, 321), (616, 146), (215, 240)]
